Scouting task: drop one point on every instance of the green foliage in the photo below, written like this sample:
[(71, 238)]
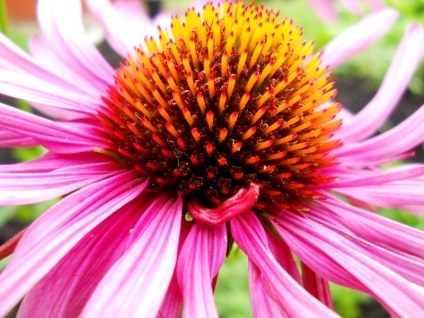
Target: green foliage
[(346, 301), (232, 289)]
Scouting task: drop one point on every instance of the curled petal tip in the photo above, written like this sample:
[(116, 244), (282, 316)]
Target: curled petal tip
[(238, 204)]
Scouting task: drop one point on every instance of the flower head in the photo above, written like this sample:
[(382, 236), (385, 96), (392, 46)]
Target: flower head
[(220, 130), (229, 101)]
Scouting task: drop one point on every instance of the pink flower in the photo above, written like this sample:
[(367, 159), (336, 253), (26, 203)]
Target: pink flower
[(220, 132)]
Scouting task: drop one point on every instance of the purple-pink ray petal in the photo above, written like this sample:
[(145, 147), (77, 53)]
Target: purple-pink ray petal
[(404, 64), (262, 304), (398, 295), (173, 301), (293, 300), (47, 97), (15, 140), (198, 263), (26, 188), (284, 256), (52, 161), (358, 37), (316, 285), (390, 195), (136, 284), (65, 290), (61, 24), (59, 229), (15, 59), (411, 131), (408, 266), (378, 177), (61, 137), (324, 8), (123, 34)]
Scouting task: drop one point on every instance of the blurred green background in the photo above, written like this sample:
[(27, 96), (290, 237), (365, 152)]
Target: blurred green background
[(232, 290)]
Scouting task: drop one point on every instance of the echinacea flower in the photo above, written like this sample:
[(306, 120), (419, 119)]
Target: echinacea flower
[(221, 131)]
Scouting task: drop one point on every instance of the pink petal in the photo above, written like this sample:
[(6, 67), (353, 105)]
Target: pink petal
[(14, 59), (48, 98), (375, 4), (123, 32), (64, 291), (199, 262), (316, 285), (410, 268), (284, 256), (25, 188), (262, 304), (136, 284), (375, 228), (293, 300), (61, 24), (173, 301), (352, 5), (51, 161), (396, 194), (324, 8), (383, 146), (398, 295), (238, 204), (59, 229), (60, 137), (403, 66), (358, 37), (14, 140), (375, 178)]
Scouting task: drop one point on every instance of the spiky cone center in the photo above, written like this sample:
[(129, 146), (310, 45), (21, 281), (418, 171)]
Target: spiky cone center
[(228, 98)]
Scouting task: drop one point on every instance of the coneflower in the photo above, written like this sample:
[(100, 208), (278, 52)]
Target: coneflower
[(218, 131)]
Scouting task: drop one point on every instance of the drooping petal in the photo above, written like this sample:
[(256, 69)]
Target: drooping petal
[(117, 25), (64, 291), (383, 146), (14, 140), (61, 24), (59, 137), (375, 228), (53, 162), (391, 195), (316, 285), (398, 295), (293, 300), (15, 59), (358, 37), (59, 229), (127, 288), (284, 256), (409, 267), (324, 8), (173, 301), (262, 304), (352, 5), (405, 62), (25, 188), (379, 177), (198, 263), (48, 98)]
